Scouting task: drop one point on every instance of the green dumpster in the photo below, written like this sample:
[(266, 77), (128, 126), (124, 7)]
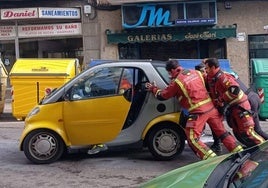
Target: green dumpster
[(260, 83)]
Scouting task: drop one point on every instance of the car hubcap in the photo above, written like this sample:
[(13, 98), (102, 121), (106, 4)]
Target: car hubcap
[(43, 145), (166, 141)]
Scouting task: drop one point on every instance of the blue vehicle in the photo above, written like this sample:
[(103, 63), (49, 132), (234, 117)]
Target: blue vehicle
[(185, 63), (191, 63)]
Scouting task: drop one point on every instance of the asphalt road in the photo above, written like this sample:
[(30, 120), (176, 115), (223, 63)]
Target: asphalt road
[(112, 169)]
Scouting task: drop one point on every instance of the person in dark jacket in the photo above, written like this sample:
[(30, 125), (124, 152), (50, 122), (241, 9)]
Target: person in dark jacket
[(255, 103)]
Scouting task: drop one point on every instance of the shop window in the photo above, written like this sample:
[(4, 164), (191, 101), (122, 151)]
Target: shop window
[(194, 10), (129, 51), (258, 46), (200, 10)]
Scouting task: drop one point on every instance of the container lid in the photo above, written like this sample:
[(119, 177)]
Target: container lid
[(259, 66), (43, 66)]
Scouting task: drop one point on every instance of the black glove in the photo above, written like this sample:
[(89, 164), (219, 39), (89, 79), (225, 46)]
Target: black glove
[(223, 109)]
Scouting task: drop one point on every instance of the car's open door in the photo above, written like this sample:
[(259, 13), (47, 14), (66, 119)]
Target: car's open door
[(97, 107), (95, 120)]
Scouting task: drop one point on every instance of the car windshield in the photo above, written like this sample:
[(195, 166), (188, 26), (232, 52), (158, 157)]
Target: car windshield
[(246, 169)]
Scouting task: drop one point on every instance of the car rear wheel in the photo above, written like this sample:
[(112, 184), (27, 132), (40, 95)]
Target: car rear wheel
[(166, 142), (43, 146)]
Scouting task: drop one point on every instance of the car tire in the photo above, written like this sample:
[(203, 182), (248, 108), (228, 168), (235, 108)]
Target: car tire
[(43, 146), (165, 142)]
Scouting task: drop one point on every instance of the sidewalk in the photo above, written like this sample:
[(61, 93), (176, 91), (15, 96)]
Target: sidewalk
[(7, 114)]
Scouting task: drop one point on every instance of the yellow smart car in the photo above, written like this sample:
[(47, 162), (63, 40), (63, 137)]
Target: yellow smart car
[(107, 103)]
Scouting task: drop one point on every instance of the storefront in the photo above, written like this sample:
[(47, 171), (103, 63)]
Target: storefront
[(40, 32), (185, 30), (162, 44)]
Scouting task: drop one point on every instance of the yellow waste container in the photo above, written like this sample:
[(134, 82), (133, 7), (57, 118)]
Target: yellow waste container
[(31, 78), (3, 85)]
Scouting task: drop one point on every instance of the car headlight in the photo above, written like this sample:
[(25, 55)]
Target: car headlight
[(33, 112)]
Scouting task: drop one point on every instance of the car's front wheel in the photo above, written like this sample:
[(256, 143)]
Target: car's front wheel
[(43, 146), (166, 142)]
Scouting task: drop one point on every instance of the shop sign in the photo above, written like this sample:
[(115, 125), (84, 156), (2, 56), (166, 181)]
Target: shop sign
[(149, 38), (197, 21), (157, 16), (56, 13), (169, 14), (51, 30), (7, 32), (170, 35), (201, 35), (19, 13)]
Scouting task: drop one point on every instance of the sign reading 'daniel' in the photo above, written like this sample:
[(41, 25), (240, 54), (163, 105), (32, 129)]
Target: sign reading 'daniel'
[(19, 13), (63, 13)]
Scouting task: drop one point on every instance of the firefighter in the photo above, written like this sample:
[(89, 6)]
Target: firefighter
[(216, 146), (228, 97), (255, 104), (189, 88)]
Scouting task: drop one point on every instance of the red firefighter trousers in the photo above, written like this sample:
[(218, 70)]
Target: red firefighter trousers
[(194, 128)]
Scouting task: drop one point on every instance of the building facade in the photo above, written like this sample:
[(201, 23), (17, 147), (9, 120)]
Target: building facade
[(234, 30)]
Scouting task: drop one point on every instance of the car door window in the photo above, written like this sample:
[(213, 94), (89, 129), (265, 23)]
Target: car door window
[(99, 82), (138, 96), (163, 73)]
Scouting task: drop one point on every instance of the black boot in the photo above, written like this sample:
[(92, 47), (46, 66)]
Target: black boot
[(216, 147)]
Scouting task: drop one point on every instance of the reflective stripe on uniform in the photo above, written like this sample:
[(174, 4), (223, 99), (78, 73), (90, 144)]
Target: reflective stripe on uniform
[(255, 135), (239, 97), (157, 92), (209, 154), (237, 149), (192, 106), (200, 74), (206, 154)]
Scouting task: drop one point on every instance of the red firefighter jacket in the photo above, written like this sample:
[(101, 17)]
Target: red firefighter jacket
[(219, 87), (189, 88)]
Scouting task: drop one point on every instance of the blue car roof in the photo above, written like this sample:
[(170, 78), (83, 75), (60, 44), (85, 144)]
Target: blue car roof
[(191, 63)]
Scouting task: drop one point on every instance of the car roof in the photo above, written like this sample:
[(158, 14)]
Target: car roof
[(185, 63), (128, 61)]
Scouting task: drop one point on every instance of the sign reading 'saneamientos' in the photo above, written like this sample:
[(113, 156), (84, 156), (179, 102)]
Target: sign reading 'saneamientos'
[(44, 30), (62, 13), (19, 13), (40, 12)]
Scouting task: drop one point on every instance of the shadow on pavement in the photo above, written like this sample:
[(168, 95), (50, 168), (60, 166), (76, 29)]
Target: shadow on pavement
[(7, 117)]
